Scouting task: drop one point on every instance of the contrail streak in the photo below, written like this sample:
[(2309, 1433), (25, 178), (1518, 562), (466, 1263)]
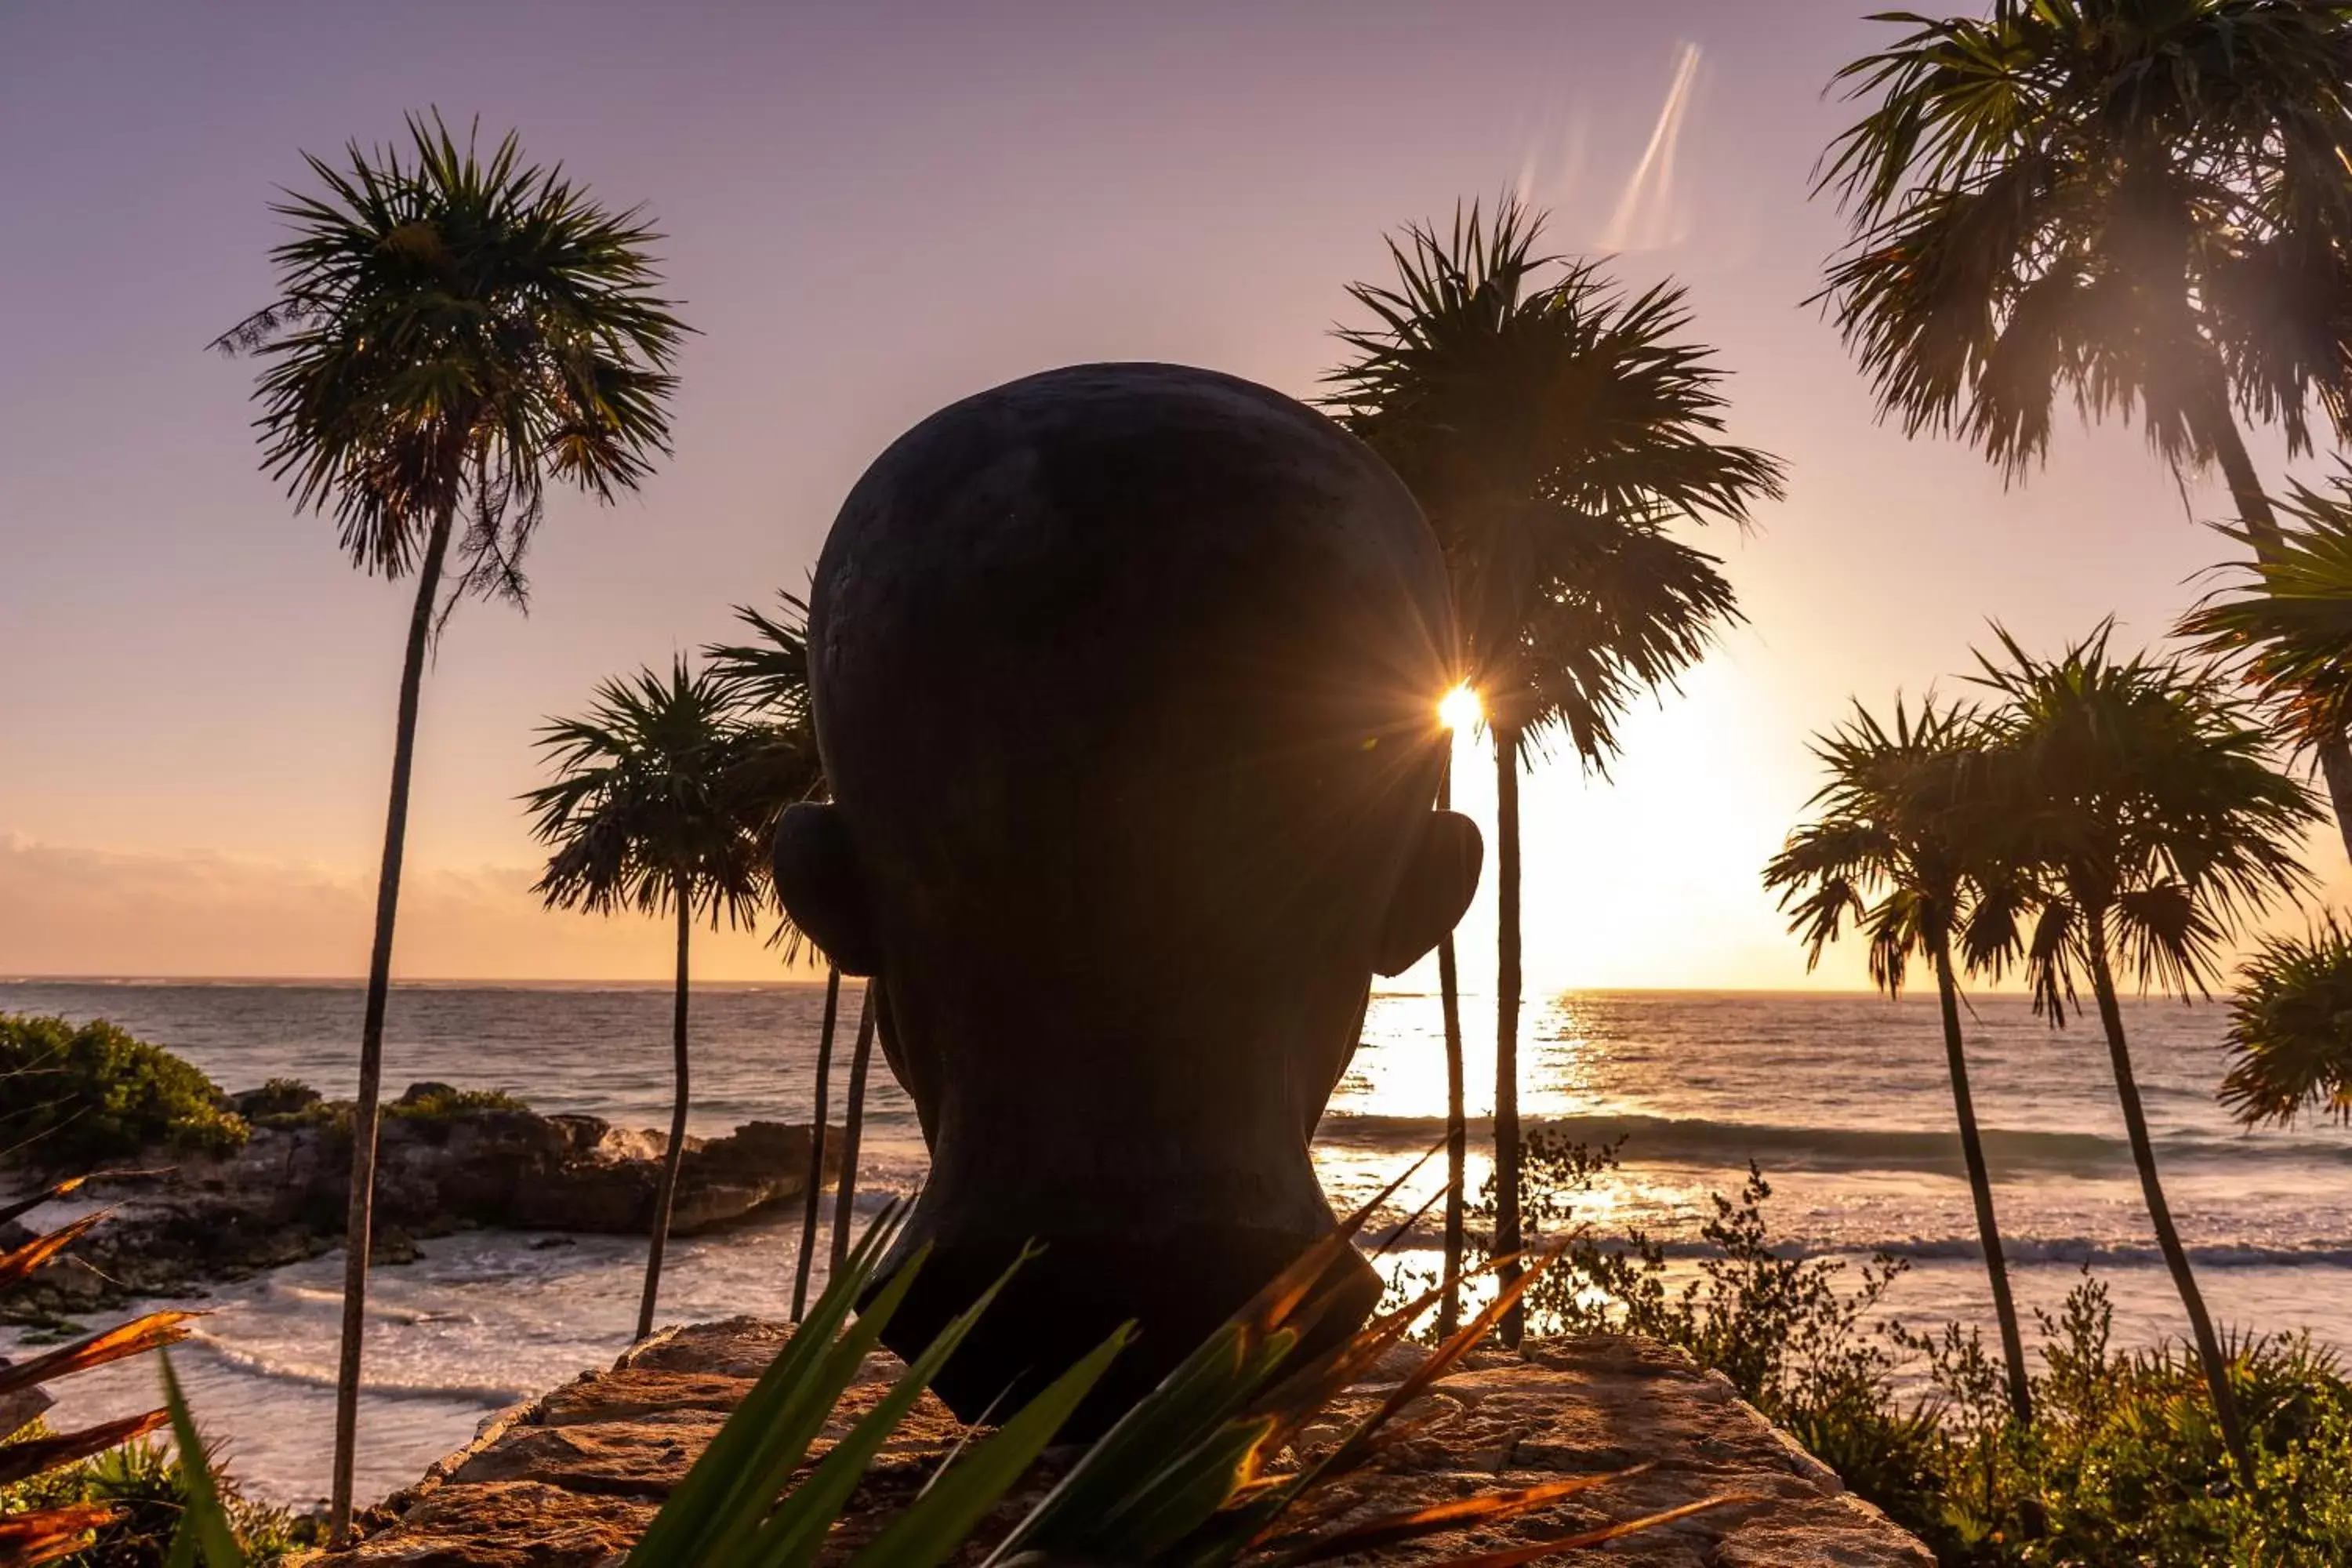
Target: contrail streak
[(1647, 215)]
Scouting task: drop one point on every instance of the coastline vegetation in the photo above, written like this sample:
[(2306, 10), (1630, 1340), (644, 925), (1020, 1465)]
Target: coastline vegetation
[(78, 1096), (2121, 1461)]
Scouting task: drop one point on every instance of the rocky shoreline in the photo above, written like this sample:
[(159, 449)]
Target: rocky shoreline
[(445, 1161), (570, 1479)]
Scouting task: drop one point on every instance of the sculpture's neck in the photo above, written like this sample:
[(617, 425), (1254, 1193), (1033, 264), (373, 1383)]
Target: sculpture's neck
[(1038, 1131)]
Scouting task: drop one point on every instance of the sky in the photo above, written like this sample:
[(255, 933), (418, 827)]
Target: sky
[(871, 210)]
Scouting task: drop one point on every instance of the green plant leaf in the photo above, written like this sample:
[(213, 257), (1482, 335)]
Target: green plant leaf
[(944, 1518), (204, 1526), (792, 1536), (730, 1488)]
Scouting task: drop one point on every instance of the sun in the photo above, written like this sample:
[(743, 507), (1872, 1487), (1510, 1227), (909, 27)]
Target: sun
[(1459, 708)]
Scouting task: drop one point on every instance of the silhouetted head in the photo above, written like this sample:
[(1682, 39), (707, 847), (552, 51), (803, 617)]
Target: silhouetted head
[(1125, 678)]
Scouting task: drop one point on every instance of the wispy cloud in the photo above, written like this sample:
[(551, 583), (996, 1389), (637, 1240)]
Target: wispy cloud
[(1650, 213)]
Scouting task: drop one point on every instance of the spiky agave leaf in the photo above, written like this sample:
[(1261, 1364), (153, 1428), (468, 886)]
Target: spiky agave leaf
[(47, 1534), (23, 1206), (138, 1337), (37, 1456), (729, 1508), (203, 1536), (19, 1262)]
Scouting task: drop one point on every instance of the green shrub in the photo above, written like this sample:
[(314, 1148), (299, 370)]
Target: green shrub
[(142, 1483), (2123, 1464), (440, 1102), (94, 1095)]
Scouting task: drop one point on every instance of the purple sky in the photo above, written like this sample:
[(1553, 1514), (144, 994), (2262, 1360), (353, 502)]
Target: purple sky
[(874, 209)]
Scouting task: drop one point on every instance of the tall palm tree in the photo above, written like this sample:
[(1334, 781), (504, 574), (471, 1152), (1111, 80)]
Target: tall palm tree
[(1457, 1126), (646, 813), (452, 336), (2145, 206), (1553, 429), (2140, 798), (1889, 847), (768, 677)]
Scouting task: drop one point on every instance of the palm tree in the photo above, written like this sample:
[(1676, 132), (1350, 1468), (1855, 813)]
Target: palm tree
[(1890, 848), (1552, 428), (2291, 1028), (1457, 1125), (2145, 206), (2140, 799), (646, 813), (845, 1199), (2288, 625), (451, 336), (768, 678)]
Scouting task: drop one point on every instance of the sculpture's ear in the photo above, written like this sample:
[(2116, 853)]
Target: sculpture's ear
[(821, 886), (1433, 892)]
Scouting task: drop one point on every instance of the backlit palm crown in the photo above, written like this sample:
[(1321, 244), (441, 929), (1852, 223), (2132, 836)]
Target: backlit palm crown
[(1552, 431), (1894, 846), (451, 335), (648, 805), (2145, 204), (2144, 799)]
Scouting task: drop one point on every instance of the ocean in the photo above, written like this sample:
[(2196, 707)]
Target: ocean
[(1841, 1101)]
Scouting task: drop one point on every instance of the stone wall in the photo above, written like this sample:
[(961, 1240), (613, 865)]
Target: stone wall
[(567, 1481)]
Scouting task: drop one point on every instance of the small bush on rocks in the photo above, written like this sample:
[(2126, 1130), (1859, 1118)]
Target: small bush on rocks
[(444, 1103), (76, 1097)]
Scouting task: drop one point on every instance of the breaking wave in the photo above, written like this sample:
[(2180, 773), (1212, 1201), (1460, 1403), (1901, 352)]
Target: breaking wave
[(1785, 1148)]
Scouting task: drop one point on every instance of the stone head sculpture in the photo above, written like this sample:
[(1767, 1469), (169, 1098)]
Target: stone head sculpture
[(1125, 678)]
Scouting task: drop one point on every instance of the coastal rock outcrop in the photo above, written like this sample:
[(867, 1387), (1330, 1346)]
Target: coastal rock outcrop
[(570, 1479), (281, 1197)]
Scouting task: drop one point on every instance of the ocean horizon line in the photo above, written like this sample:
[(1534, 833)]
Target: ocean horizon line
[(665, 982)]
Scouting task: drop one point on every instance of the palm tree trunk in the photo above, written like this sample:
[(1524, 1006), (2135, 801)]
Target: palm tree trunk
[(1507, 1016), (2004, 1305), (666, 1194), (2256, 517), (2159, 1213), (1457, 1138), (853, 1121), (359, 1230), (817, 1143)]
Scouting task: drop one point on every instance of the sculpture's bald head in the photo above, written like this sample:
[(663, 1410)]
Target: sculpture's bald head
[(1124, 678)]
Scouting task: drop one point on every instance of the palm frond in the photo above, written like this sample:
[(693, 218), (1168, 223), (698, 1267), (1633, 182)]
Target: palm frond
[(2290, 1032), (1895, 845), (1555, 429), (2287, 624), (2145, 210), (650, 803), (453, 333), (2144, 794)]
